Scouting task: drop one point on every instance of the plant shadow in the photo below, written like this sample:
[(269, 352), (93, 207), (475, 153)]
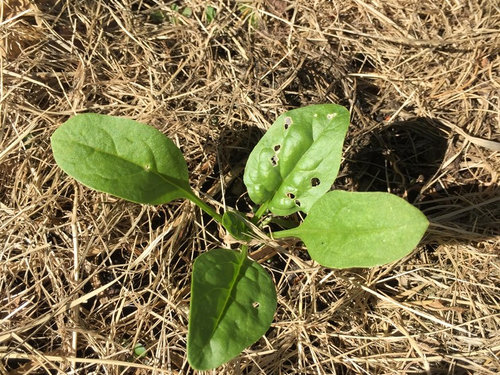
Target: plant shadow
[(233, 148), (404, 158), (401, 158)]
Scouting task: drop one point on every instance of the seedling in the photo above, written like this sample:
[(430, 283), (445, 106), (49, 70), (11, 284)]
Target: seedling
[(291, 169), (210, 13), (139, 350)]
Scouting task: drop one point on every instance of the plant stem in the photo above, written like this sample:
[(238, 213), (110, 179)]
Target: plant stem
[(244, 251), (205, 207), (284, 223), (285, 233), (262, 209)]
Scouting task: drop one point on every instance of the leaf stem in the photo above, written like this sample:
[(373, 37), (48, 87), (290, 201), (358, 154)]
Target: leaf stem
[(204, 206), (284, 223), (244, 251), (285, 233), (260, 211)]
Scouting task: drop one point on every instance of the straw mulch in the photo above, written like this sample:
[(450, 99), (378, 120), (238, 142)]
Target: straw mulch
[(84, 277)]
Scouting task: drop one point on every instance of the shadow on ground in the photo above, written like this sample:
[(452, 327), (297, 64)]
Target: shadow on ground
[(405, 159)]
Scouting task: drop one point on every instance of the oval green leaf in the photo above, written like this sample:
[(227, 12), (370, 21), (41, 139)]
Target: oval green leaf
[(233, 301), (122, 157), (298, 158), (345, 229)]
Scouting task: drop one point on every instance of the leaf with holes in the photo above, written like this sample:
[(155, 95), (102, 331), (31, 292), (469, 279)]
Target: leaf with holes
[(233, 301), (345, 229), (297, 160), (121, 157)]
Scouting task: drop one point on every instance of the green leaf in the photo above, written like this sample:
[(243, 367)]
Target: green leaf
[(139, 350), (233, 301), (297, 160), (157, 17), (122, 157), (210, 13), (249, 14), (187, 12), (236, 225), (345, 229), (172, 19)]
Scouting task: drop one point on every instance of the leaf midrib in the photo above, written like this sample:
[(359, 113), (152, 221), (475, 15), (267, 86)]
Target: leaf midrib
[(233, 283), (300, 230), (168, 179), (350, 231), (292, 171)]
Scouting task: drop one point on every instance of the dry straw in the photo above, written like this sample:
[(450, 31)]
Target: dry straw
[(85, 277)]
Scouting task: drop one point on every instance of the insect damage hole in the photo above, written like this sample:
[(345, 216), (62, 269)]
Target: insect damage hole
[(274, 160), (255, 305), (288, 122), (276, 148), (290, 195), (315, 181), (297, 202)]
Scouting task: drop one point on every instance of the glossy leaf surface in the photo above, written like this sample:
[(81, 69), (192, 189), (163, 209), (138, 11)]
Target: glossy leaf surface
[(298, 158), (122, 157), (233, 301), (345, 229)]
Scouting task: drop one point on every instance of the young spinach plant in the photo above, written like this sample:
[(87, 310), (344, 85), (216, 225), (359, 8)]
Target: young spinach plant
[(292, 168)]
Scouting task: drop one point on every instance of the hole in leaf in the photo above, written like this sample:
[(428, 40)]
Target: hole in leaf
[(290, 195), (274, 160), (255, 305), (277, 148), (315, 181), (288, 122), (297, 202), (331, 115)]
